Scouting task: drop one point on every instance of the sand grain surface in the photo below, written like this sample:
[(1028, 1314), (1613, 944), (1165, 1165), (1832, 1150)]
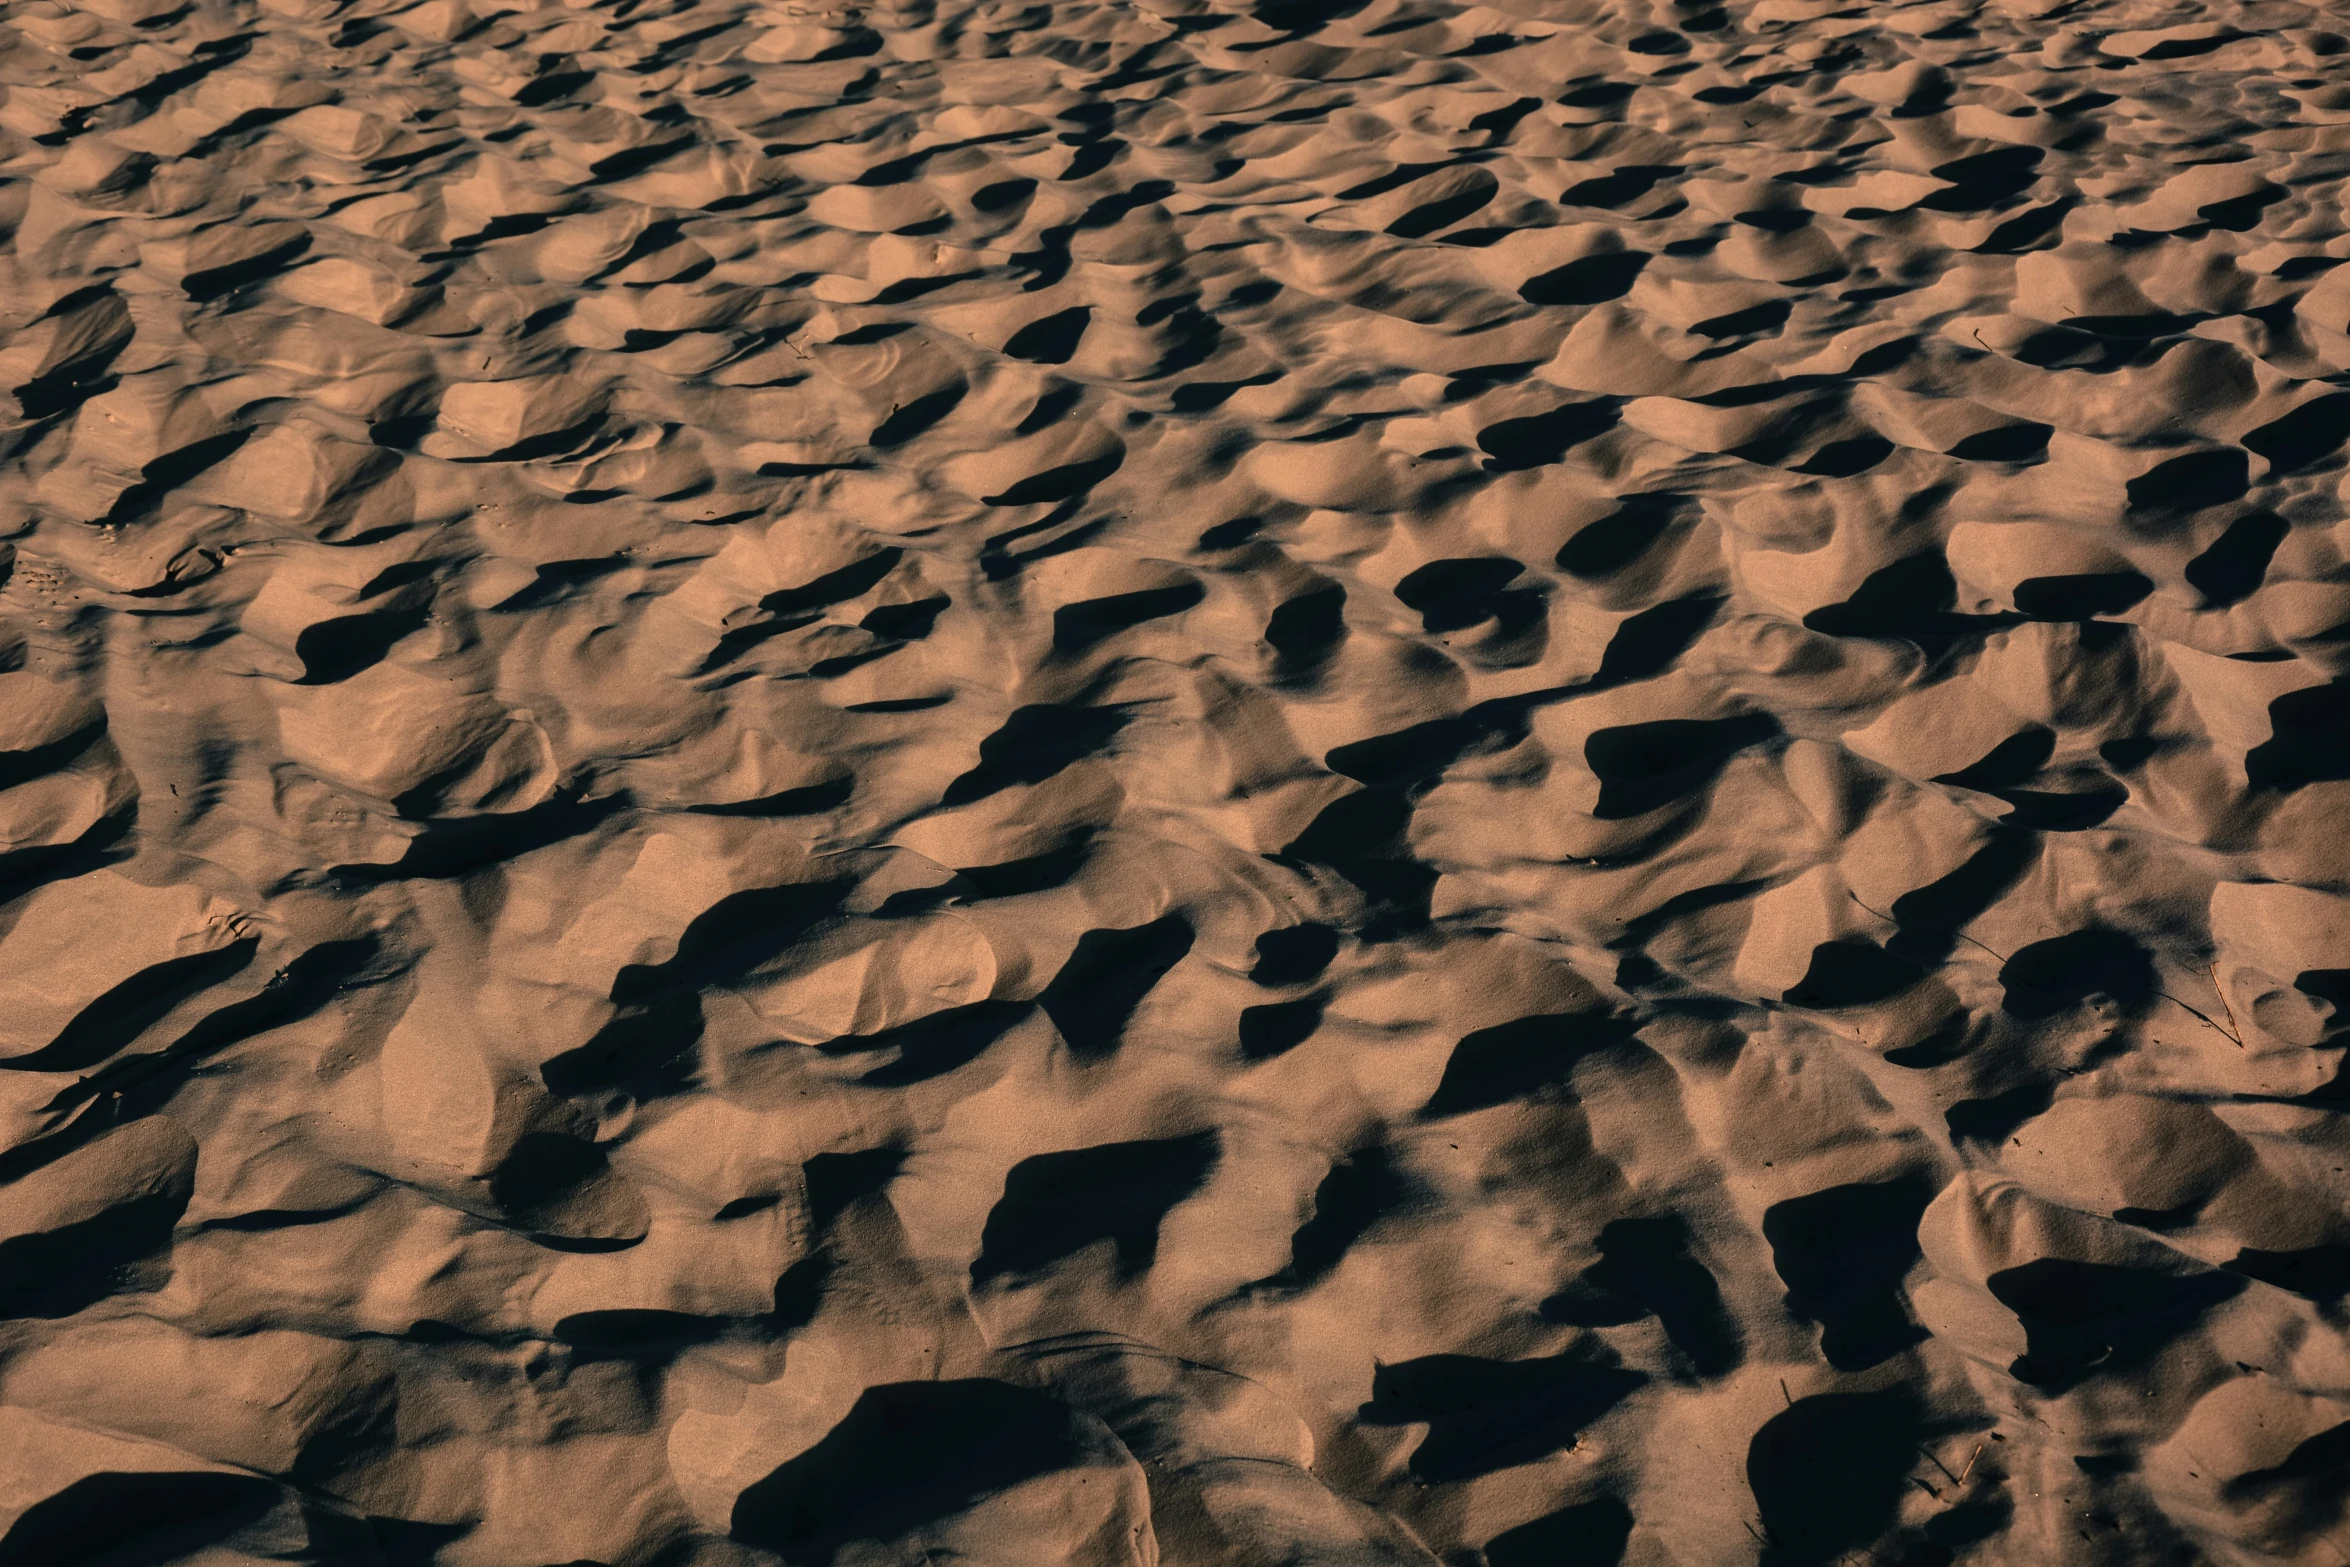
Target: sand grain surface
[(1302, 785)]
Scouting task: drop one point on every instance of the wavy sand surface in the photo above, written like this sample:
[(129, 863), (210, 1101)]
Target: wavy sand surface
[(1524, 785)]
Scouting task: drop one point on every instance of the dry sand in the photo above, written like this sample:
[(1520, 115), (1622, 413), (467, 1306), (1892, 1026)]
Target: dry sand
[(1299, 786)]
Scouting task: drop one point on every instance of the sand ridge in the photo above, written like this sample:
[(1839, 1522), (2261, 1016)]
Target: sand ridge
[(1198, 783)]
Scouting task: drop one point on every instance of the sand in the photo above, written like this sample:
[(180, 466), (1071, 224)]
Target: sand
[(1327, 785)]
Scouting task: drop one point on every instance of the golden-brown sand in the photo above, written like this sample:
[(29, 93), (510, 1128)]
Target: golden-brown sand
[(1321, 784)]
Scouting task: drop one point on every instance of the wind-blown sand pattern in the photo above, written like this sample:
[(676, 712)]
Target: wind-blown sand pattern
[(1295, 784)]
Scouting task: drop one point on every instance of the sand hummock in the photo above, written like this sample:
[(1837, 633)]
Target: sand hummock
[(1327, 783)]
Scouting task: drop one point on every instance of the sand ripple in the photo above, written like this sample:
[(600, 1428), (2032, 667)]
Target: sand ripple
[(1324, 783)]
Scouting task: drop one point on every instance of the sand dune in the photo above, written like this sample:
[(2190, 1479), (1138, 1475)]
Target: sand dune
[(1534, 785)]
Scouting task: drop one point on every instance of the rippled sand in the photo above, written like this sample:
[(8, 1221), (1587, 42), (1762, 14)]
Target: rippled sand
[(1303, 786)]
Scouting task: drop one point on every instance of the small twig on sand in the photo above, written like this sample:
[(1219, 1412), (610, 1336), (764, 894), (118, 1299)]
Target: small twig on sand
[(1970, 1463), (2232, 1035), (2235, 1029), (1960, 934)]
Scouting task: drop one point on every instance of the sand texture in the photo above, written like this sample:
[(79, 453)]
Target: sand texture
[(1302, 784)]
